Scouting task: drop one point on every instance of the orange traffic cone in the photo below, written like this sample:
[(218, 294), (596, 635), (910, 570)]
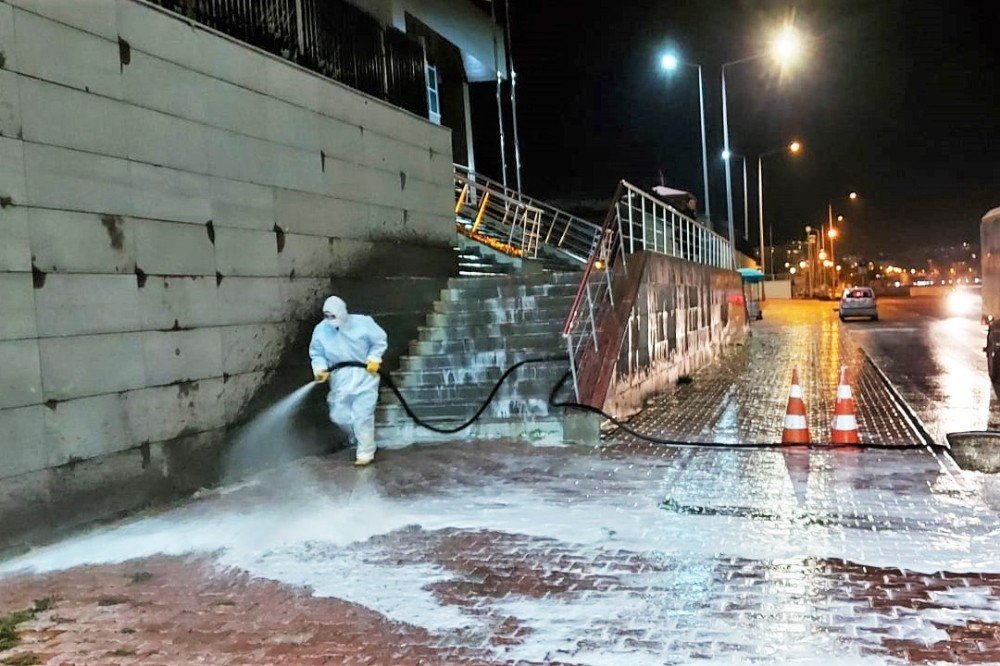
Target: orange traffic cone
[(796, 428), (844, 427)]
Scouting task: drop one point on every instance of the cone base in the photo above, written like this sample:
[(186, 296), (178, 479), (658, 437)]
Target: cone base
[(845, 437), (795, 437)]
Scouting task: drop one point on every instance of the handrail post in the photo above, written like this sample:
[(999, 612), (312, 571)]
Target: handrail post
[(590, 314), (572, 366), (461, 198), (642, 213), (481, 213)]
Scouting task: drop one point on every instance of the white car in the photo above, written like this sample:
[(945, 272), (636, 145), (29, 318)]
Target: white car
[(858, 302)]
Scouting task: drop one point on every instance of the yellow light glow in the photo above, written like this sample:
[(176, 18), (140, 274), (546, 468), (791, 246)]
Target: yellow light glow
[(792, 270), (832, 233), (840, 218), (853, 195), (822, 254), (795, 147), (787, 45), (803, 264)]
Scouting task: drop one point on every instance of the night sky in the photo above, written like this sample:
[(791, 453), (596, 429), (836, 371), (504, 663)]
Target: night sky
[(896, 100)]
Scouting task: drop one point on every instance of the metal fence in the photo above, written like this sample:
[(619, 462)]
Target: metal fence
[(567, 235), (636, 221), (330, 37)]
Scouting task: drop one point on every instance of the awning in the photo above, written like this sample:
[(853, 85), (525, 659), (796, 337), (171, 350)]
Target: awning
[(751, 275)]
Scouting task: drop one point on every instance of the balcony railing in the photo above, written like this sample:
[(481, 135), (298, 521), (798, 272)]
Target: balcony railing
[(331, 37)]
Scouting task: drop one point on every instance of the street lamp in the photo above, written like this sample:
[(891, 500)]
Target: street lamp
[(784, 49), (795, 147), (726, 155), (833, 233), (670, 62)]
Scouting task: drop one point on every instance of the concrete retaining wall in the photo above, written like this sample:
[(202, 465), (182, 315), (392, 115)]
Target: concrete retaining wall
[(173, 207), (683, 315)]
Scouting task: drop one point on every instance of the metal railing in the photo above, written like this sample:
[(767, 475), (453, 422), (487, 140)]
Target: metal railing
[(494, 218), (331, 37), (570, 236), (636, 221)]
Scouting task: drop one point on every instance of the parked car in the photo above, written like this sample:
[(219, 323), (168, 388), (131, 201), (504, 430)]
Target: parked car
[(858, 302)]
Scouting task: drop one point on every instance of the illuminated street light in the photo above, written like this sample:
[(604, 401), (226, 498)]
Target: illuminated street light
[(832, 233), (792, 270), (803, 264), (795, 147), (669, 62), (787, 46), (822, 255)]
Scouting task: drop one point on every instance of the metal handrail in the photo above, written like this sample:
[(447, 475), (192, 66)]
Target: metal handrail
[(636, 221), (568, 235), (496, 219)]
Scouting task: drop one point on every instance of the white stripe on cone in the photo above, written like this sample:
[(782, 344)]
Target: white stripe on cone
[(795, 422), (844, 392), (845, 422), (795, 391)]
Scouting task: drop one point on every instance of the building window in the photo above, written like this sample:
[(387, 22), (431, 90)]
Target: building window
[(433, 97)]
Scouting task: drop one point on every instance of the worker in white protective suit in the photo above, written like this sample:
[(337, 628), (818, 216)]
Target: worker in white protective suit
[(344, 337)]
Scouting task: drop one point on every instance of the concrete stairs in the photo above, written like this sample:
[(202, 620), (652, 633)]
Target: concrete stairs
[(482, 324)]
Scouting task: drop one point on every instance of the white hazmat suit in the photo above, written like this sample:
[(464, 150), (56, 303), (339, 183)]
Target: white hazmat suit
[(353, 393)]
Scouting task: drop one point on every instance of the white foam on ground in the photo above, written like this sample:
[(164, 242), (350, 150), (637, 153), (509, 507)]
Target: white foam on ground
[(305, 539)]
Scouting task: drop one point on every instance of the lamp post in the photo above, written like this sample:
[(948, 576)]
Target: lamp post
[(670, 63), (728, 155), (833, 232), (785, 48), (795, 147)]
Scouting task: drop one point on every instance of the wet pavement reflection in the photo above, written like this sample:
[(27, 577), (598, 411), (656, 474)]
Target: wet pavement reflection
[(499, 552), (934, 356)]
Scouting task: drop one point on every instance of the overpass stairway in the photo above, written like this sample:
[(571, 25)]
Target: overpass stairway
[(483, 322)]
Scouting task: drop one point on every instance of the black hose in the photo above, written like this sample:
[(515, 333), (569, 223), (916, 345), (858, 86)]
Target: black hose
[(553, 402)]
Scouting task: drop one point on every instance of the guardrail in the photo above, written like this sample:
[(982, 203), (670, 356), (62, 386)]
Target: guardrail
[(568, 235), (636, 221)]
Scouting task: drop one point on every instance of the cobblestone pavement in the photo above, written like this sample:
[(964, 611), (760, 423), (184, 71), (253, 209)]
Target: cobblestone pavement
[(743, 398), (505, 553)]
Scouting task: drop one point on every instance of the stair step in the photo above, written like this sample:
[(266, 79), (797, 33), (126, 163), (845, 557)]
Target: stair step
[(497, 358), (453, 331), (466, 376), (471, 394), (455, 412), (549, 342), (495, 317), (509, 291), (544, 277), (528, 303)]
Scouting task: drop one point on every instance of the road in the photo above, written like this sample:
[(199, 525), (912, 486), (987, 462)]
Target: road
[(931, 350)]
